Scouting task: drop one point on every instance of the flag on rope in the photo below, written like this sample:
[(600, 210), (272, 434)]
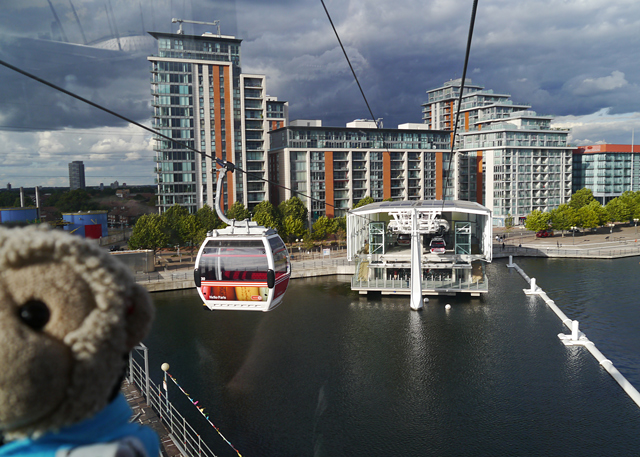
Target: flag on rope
[(201, 409)]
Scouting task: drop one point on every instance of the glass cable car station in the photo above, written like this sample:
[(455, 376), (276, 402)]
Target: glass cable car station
[(454, 239)]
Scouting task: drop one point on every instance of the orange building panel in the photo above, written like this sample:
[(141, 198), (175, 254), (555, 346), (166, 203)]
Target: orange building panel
[(479, 177), (328, 179), (216, 110), (386, 175), (599, 148), (451, 115), (439, 176), (228, 106)]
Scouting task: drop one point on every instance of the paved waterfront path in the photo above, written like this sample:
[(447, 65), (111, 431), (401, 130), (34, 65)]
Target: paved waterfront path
[(145, 415), (602, 244), (622, 242)]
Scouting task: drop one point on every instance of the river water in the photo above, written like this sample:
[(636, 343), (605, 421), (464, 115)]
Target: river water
[(331, 373)]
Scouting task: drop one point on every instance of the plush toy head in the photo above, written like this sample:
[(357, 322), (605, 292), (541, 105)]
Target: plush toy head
[(69, 315)]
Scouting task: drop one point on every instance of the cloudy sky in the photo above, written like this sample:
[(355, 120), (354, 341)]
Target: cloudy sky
[(574, 59)]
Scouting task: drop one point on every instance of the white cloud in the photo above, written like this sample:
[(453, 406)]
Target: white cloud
[(567, 58), (42, 158), (590, 86), (600, 127)]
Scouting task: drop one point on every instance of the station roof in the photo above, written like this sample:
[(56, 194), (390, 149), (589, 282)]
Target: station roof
[(448, 206)]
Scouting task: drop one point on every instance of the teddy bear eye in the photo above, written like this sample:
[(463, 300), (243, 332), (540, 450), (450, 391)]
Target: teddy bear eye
[(35, 314)]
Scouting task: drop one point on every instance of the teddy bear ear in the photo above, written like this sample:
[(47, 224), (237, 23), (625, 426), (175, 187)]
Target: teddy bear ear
[(139, 315)]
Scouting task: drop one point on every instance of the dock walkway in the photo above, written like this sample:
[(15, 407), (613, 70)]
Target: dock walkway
[(145, 415)]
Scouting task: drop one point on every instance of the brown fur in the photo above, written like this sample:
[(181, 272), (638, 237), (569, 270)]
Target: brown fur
[(66, 371)]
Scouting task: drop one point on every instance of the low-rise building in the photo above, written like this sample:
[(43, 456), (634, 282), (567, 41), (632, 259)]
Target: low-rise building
[(607, 169), (508, 158), (338, 166)]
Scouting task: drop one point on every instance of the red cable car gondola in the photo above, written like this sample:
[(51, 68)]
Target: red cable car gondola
[(243, 267)]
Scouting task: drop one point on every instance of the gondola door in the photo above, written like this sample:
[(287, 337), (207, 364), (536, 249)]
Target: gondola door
[(233, 273)]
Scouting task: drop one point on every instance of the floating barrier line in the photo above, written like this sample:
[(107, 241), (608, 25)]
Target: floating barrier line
[(201, 409), (577, 338)]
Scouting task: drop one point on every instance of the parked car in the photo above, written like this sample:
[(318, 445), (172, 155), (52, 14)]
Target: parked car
[(574, 230), (544, 233), (404, 239), (437, 246)]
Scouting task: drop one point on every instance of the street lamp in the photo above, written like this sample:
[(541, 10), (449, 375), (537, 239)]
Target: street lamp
[(611, 224), (165, 368), (635, 219)]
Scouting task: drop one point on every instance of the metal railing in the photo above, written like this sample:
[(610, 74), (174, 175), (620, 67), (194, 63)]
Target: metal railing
[(309, 264), (157, 276), (444, 285), (181, 433), (565, 251)]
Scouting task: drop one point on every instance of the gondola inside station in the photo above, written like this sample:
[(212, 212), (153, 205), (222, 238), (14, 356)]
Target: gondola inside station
[(451, 241)]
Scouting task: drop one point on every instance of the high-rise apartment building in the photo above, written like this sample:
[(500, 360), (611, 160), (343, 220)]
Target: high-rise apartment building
[(202, 98), (339, 166), (608, 170), (76, 175), (508, 158)]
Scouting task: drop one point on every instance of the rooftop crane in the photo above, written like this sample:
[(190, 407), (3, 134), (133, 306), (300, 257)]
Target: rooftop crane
[(180, 21)]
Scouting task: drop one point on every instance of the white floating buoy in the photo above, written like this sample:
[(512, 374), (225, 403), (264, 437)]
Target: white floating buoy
[(426, 300), (447, 306)]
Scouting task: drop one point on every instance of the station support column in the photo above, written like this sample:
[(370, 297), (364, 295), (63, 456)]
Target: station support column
[(416, 263)]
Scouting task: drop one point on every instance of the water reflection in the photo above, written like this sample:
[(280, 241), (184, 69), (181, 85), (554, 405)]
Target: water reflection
[(331, 373)]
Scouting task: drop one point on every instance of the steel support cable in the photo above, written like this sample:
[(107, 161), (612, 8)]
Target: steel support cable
[(222, 163), (464, 75), (348, 61), (335, 31)]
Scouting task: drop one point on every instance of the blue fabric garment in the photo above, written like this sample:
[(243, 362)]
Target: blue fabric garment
[(110, 424)]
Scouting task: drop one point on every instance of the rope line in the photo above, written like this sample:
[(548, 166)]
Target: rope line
[(220, 162), (201, 409)]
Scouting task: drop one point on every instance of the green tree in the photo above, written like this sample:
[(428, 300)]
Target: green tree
[(323, 227), (74, 201), (150, 232), (208, 219), (294, 228), (266, 215), (600, 211), (307, 242), (192, 232), (238, 212), (537, 221), (563, 218), (581, 198), (508, 222), (588, 217), (174, 217), (618, 210), (365, 201), (8, 198), (632, 200), (294, 207)]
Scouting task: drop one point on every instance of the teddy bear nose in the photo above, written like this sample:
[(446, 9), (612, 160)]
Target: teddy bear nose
[(35, 314)]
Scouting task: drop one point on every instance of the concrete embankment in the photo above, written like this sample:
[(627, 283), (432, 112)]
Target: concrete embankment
[(182, 278), (595, 251)]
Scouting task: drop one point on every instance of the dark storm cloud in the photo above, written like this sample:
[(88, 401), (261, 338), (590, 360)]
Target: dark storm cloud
[(115, 79), (571, 59)]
